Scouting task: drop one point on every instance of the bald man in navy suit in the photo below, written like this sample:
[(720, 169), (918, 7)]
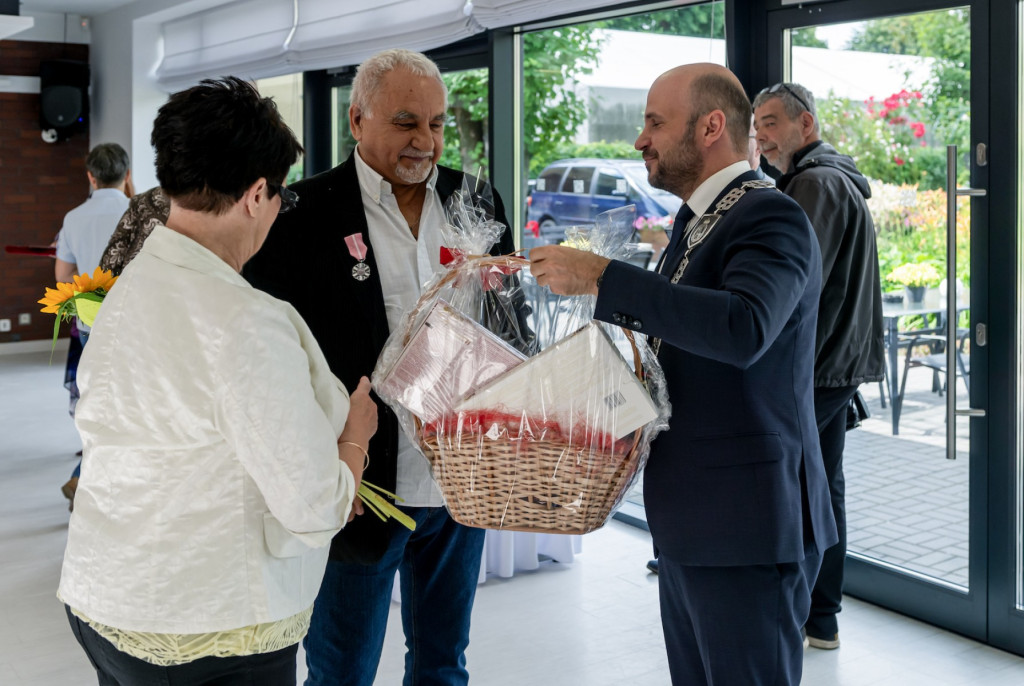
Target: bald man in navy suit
[(735, 490)]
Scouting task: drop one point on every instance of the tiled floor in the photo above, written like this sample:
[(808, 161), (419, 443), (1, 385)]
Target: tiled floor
[(592, 622)]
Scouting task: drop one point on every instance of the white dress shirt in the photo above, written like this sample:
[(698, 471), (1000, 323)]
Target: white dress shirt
[(702, 197), (405, 264)]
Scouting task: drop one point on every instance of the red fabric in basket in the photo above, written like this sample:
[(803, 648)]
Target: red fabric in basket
[(525, 428)]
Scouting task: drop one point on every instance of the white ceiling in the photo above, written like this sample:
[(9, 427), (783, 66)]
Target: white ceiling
[(83, 7)]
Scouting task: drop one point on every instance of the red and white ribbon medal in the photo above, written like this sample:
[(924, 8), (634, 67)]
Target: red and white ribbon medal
[(357, 249)]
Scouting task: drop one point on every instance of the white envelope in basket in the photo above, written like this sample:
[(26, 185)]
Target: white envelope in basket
[(581, 379)]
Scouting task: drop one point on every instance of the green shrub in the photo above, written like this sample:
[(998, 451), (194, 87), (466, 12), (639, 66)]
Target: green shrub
[(616, 150)]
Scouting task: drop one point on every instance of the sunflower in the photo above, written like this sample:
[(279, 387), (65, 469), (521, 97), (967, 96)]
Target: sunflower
[(100, 280), (81, 298), (56, 297)]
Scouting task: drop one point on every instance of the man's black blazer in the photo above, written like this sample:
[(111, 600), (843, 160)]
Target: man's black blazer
[(305, 262)]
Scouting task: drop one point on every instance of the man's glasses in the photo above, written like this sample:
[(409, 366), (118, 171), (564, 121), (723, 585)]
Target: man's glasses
[(289, 198), (781, 86)]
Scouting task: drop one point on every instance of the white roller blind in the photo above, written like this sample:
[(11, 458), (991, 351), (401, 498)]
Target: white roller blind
[(250, 38), (493, 14), (237, 38), (255, 38)]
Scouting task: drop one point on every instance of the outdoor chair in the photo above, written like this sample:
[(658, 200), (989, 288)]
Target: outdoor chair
[(927, 350), (903, 340)]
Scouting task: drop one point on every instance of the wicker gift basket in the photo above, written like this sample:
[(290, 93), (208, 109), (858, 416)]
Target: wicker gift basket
[(522, 434)]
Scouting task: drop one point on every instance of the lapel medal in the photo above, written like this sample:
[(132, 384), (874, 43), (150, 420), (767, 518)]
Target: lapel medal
[(357, 249)]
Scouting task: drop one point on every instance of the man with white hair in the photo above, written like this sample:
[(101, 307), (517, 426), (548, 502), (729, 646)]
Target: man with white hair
[(366, 235)]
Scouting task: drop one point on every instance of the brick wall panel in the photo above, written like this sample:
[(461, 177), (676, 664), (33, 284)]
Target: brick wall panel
[(41, 183)]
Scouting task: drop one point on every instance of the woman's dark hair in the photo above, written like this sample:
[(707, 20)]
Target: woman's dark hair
[(214, 140)]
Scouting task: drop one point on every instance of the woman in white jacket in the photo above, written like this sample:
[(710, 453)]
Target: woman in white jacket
[(221, 454)]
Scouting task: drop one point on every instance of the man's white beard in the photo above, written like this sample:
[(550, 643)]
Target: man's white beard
[(416, 174)]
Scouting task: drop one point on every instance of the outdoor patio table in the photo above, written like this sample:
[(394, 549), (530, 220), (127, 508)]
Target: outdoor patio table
[(933, 304)]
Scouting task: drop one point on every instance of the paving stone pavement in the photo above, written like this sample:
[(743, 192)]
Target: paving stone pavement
[(906, 503)]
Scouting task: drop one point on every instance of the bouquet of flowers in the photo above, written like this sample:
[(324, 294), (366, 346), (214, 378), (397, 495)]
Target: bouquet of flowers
[(370, 494), (654, 230), (80, 299)]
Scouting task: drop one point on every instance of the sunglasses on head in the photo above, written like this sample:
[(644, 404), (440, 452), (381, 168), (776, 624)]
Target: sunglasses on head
[(771, 90)]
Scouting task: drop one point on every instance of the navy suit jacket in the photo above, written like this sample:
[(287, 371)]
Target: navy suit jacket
[(305, 261), (738, 478)]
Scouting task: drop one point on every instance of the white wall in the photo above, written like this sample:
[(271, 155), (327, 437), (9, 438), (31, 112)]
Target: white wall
[(110, 102), (124, 51)]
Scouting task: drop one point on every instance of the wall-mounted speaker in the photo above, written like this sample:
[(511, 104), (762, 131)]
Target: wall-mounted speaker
[(63, 97)]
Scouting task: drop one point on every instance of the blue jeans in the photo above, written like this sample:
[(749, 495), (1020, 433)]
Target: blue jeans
[(440, 566)]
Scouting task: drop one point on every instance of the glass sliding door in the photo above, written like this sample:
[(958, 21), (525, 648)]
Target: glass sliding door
[(907, 503), (287, 94), (894, 89)]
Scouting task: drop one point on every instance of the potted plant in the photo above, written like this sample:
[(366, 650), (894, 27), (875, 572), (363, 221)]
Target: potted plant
[(915, 277)]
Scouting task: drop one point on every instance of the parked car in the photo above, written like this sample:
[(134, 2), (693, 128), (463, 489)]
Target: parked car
[(573, 192)]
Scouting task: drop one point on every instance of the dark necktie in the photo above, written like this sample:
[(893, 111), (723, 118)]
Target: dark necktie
[(683, 218)]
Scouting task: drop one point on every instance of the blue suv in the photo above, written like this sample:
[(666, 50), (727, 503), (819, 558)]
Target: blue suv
[(574, 192)]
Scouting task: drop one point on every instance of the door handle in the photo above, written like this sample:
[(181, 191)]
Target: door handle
[(952, 193)]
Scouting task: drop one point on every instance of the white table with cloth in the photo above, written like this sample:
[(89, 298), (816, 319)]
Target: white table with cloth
[(508, 552)]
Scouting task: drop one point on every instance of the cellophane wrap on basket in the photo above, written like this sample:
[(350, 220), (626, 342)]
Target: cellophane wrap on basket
[(533, 417)]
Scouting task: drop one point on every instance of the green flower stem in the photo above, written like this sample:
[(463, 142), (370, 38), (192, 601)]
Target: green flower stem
[(368, 493)]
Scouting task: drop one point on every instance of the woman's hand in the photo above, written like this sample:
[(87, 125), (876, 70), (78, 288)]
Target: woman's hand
[(354, 441), (362, 416)]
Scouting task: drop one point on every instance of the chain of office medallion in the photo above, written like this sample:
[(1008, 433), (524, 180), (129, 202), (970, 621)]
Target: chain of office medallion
[(721, 207)]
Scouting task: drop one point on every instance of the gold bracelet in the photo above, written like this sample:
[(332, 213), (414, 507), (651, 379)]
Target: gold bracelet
[(366, 455)]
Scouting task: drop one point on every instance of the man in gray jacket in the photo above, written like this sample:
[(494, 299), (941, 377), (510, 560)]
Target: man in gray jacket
[(849, 348)]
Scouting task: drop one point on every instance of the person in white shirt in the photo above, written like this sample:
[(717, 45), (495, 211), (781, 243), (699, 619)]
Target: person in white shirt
[(83, 237), (221, 454), (88, 227)]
